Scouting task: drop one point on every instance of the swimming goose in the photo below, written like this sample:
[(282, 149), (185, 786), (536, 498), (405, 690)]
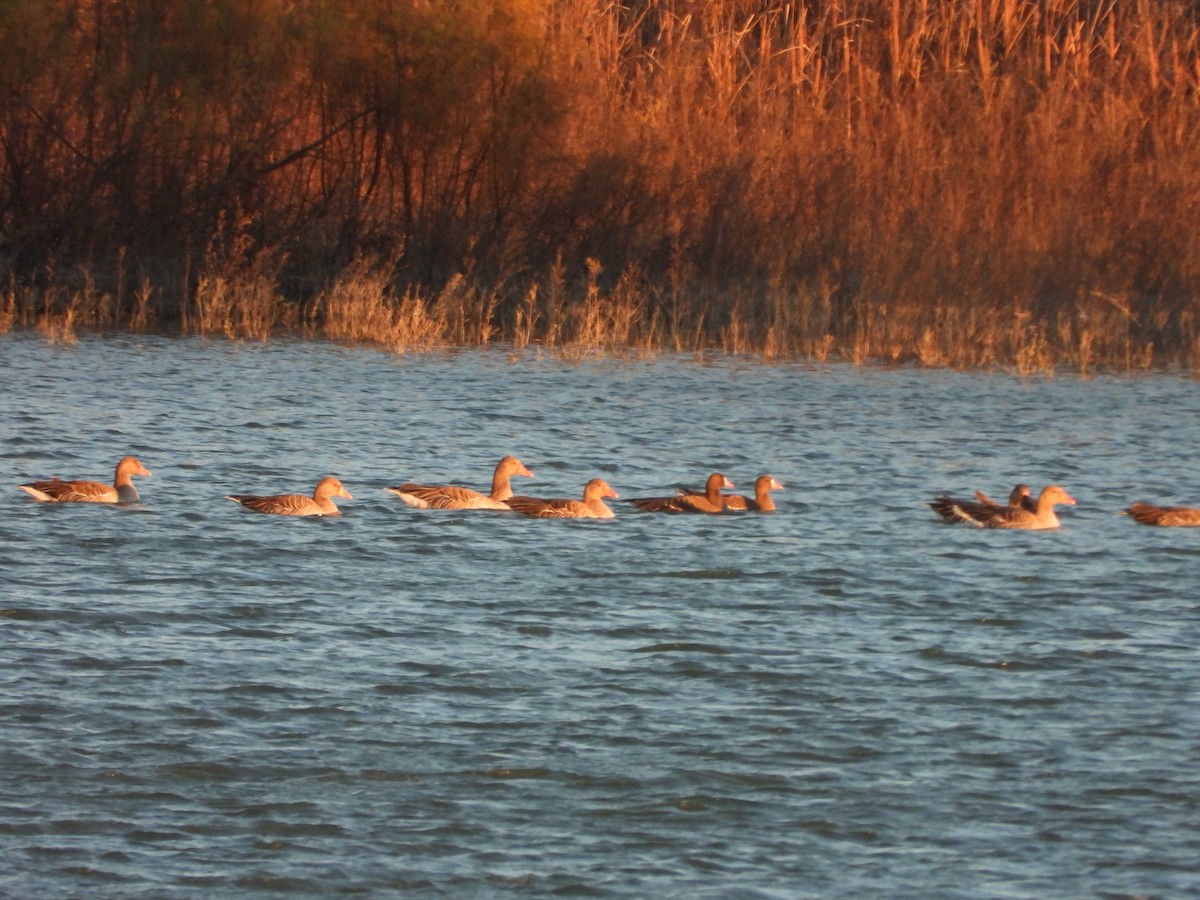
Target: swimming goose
[(974, 512), (996, 516), (711, 501), (1148, 514), (1020, 496), (761, 502), (319, 504), (120, 491), (446, 496), (591, 507)]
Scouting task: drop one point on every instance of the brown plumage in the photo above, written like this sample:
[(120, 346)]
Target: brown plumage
[(1149, 514), (711, 501), (1021, 496), (591, 507), (983, 507), (761, 502), (447, 496), (80, 491), (993, 515), (319, 504)]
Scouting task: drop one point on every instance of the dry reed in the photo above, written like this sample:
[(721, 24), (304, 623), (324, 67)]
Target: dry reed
[(1007, 183), (361, 307), (237, 290)]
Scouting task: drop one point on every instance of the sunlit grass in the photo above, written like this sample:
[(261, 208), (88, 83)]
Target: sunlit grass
[(947, 183), (362, 306)]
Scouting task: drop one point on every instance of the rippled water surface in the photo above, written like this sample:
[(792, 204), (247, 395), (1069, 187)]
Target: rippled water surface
[(847, 698)]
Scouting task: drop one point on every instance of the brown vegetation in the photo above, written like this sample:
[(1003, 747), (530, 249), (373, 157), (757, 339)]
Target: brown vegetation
[(954, 182)]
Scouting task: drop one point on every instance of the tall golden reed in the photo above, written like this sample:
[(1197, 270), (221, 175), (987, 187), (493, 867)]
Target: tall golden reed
[(948, 182)]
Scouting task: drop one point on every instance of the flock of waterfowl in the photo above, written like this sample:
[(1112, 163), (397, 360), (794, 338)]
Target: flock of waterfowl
[(1021, 510), (435, 496)]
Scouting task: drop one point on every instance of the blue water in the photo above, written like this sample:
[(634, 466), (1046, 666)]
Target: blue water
[(846, 698)]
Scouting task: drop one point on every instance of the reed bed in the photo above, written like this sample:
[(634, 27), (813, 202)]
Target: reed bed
[(969, 183)]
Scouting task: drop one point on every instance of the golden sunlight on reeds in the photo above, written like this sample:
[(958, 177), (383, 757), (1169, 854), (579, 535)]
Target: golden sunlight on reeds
[(971, 183), (362, 307), (236, 292)]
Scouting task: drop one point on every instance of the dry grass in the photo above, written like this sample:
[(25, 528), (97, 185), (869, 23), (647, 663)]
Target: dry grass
[(966, 183), (361, 307), (237, 289)]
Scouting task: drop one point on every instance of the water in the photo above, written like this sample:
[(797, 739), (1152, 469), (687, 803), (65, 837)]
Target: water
[(847, 698)]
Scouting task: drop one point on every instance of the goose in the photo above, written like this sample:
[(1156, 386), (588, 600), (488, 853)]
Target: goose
[(1149, 514), (319, 504), (1020, 496), (81, 491), (982, 507), (711, 501), (975, 511), (591, 507), (445, 496), (761, 501), (996, 516)]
